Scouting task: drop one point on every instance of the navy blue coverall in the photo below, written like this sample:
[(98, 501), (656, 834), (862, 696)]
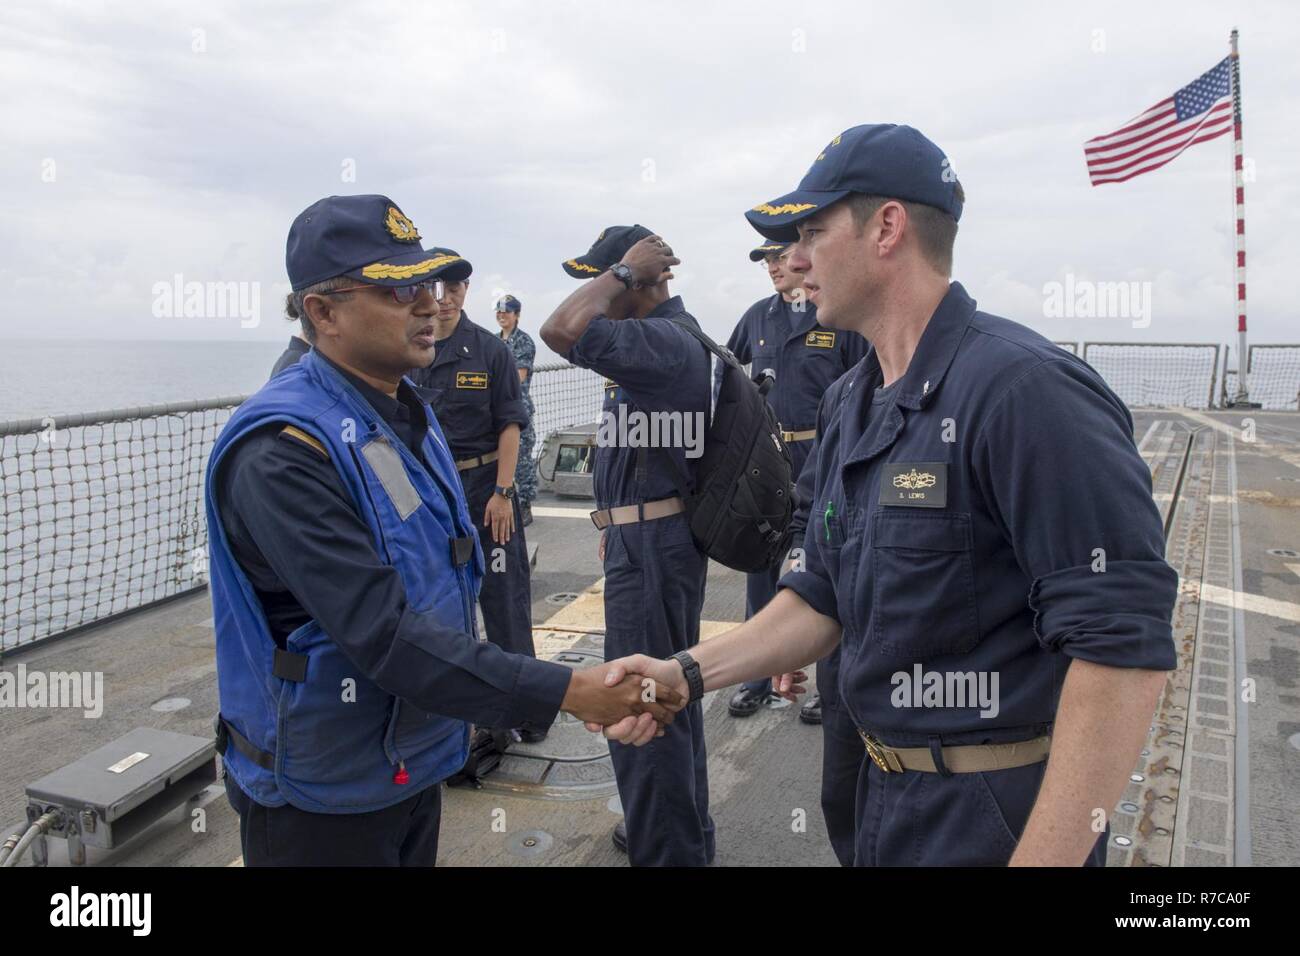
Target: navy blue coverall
[(654, 574), (957, 523)]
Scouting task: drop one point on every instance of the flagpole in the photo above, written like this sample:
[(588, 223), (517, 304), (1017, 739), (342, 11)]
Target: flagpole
[(1242, 398)]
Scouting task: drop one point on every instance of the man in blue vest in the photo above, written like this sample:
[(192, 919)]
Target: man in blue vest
[(622, 323), (982, 541), (344, 570)]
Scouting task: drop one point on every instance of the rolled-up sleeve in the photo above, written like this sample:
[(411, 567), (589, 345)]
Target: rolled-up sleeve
[(633, 352), (524, 350), (1061, 474), (507, 397)]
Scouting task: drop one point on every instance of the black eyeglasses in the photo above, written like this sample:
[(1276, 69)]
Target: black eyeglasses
[(405, 294)]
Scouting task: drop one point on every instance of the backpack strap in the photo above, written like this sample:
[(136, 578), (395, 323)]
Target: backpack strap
[(722, 353), (679, 476)]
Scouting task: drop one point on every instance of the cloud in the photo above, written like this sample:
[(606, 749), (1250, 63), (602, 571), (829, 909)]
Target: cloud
[(185, 138)]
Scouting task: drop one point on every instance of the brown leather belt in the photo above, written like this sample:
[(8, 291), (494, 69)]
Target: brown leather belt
[(805, 435), (465, 464), (630, 514), (970, 758)]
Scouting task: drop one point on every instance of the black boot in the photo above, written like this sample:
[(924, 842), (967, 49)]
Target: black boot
[(620, 836), (746, 702), (811, 712)]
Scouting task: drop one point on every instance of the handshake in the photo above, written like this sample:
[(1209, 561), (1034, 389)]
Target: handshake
[(625, 701), (633, 698)]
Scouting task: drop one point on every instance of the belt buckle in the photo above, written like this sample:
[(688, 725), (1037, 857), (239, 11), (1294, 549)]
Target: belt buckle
[(879, 756), (593, 516)]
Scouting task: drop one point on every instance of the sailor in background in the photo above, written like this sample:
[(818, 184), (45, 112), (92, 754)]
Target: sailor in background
[(298, 346), (473, 386), (521, 345), (620, 324)]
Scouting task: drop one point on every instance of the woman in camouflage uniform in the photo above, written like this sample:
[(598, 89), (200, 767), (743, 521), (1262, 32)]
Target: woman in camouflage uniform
[(525, 352)]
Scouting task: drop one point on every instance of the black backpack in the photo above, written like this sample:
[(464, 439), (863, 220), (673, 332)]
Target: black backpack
[(743, 504)]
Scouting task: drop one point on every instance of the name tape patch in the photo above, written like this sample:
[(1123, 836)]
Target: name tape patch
[(820, 340), (471, 380), (922, 484)]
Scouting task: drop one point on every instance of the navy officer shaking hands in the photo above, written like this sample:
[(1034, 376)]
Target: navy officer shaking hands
[(344, 569)]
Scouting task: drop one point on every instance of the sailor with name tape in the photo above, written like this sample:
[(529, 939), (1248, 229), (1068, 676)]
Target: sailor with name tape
[(622, 324), (473, 386), (982, 541), (344, 569)]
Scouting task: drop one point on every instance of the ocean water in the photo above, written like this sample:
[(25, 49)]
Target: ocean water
[(47, 377)]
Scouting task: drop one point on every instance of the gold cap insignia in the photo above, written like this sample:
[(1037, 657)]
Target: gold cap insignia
[(400, 227), (834, 142), (581, 266), (914, 479), (768, 209), (384, 270)]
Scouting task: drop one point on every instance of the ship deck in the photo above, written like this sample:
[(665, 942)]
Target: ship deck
[(1218, 784)]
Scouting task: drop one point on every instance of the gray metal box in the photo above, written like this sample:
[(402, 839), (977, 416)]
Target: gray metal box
[(115, 792)]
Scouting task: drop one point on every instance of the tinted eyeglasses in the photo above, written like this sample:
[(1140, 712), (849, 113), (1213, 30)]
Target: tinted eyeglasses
[(405, 294)]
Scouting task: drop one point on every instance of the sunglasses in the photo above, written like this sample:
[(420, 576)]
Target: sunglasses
[(405, 294)]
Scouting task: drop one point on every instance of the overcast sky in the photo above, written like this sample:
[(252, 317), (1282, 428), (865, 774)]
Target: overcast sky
[(150, 139)]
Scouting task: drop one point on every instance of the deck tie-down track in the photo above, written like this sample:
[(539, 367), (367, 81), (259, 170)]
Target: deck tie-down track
[(1178, 807)]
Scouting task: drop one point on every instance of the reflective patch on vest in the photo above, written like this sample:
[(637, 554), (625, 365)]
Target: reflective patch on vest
[(471, 380), (820, 340), (386, 462)]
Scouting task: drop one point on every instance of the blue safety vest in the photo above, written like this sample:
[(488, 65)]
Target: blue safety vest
[(308, 728)]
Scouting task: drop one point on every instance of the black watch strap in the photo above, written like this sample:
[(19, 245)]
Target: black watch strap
[(622, 273), (694, 680)]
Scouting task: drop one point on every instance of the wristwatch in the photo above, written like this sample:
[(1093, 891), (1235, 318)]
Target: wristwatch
[(622, 273), (505, 491), (694, 680)]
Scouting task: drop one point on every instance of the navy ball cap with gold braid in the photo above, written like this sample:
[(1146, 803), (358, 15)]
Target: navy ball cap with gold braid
[(367, 238), (881, 159), (610, 247), (767, 249)]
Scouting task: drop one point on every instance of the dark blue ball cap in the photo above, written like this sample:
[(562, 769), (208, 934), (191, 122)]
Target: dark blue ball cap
[(881, 159), (454, 267), (610, 247), (367, 238), (769, 248), (508, 303)]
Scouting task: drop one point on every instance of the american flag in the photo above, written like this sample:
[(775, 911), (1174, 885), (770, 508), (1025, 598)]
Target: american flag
[(1201, 110)]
